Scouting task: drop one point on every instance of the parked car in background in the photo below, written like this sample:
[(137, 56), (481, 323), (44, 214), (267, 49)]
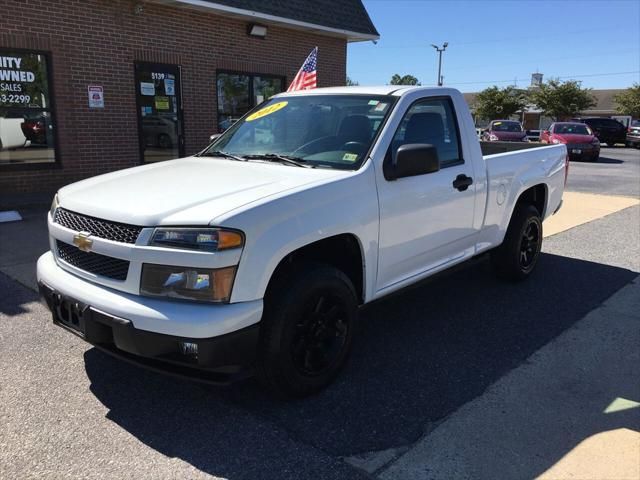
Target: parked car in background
[(35, 130), (579, 138), (504, 131), (607, 130), (159, 131), (633, 134)]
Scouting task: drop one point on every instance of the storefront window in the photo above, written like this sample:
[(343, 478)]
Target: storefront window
[(26, 114), (238, 93)]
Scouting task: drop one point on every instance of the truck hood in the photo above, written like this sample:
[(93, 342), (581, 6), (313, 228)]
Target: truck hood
[(187, 191)]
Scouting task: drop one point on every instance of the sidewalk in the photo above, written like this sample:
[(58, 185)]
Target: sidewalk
[(572, 411), (21, 243)]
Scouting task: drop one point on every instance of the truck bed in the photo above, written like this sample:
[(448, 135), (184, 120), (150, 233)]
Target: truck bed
[(492, 148)]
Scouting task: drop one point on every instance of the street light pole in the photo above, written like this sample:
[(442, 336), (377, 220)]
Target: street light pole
[(440, 50)]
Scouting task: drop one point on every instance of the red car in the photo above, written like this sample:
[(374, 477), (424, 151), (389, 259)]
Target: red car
[(581, 142), (504, 131)]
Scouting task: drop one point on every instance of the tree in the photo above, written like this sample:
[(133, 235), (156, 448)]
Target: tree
[(494, 102), (351, 83), (561, 100), (628, 102), (404, 80)]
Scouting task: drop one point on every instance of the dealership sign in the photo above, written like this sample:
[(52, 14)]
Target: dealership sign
[(23, 80)]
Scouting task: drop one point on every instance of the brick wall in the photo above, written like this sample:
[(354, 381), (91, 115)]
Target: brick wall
[(96, 42)]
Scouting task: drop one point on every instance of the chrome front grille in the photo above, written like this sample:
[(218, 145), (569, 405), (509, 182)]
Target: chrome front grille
[(91, 262), (117, 232)]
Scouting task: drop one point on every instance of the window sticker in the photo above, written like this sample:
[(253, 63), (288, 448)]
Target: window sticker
[(350, 157), (373, 102), (169, 86), (147, 88), (263, 112), (162, 103), (380, 107), (497, 123)]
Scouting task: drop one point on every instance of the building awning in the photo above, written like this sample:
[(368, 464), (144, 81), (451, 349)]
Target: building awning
[(346, 19)]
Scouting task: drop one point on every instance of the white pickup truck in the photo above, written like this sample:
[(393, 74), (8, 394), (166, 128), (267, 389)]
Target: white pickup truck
[(254, 255)]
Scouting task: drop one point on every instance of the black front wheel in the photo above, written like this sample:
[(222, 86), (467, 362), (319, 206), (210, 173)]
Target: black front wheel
[(518, 255), (307, 330)]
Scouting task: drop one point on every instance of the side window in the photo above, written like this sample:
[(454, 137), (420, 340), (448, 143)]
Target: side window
[(431, 121)]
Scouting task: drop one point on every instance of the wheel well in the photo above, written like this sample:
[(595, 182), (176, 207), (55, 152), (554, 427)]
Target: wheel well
[(341, 251), (536, 196)]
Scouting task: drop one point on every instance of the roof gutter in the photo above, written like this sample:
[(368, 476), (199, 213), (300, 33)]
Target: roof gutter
[(351, 36)]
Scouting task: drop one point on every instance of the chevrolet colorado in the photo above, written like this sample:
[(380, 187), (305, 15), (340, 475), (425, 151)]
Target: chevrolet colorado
[(254, 255)]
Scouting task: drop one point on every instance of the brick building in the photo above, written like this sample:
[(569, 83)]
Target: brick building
[(90, 86)]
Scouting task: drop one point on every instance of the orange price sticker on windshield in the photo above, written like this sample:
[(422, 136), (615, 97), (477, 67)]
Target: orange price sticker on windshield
[(263, 112)]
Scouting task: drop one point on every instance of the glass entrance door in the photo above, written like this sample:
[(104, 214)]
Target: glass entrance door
[(160, 124)]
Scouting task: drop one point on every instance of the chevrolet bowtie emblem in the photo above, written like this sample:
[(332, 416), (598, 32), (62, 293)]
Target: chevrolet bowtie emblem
[(82, 241)]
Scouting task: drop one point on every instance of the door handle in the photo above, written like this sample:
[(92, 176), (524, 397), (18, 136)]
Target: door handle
[(462, 182)]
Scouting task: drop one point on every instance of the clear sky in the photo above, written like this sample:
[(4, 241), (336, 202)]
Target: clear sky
[(494, 42)]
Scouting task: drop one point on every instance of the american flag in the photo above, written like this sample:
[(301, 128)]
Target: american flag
[(306, 76)]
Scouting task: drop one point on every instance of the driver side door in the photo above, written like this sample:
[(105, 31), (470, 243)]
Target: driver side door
[(425, 221)]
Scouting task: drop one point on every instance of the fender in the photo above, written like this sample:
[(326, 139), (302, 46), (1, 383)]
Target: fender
[(276, 228)]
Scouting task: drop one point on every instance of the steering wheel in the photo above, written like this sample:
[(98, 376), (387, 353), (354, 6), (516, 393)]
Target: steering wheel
[(304, 147), (358, 147)]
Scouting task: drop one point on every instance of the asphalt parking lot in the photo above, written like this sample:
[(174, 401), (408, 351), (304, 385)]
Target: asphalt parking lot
[(68, 410)]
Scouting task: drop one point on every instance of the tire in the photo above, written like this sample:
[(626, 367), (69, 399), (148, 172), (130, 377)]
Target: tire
[(518, 255), (595, 158), (307, 330)]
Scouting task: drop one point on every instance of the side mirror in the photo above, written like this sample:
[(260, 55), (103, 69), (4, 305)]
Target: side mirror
[(413, 159), (214, 137)]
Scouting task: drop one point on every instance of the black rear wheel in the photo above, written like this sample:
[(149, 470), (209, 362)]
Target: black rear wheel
[(518, 255), (307, 330)]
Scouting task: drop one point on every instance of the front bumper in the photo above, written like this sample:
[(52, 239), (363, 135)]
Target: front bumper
[(154, 333)]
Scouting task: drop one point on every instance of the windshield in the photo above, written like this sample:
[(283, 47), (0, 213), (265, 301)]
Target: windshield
[(506, 126), (572, 128), (320, 130)]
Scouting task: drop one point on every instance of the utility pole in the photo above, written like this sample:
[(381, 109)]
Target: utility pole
[(440, 50)]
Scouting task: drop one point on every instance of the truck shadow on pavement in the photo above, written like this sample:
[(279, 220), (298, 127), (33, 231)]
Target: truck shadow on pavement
[(420, 355)]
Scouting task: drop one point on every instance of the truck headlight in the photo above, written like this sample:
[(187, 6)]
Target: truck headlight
[(187, 283), (54, 206), (493, 138), (206, 239), (555, 141)]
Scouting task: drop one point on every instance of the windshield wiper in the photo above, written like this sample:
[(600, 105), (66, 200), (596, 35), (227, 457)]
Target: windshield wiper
[(273, 157), (219, 153)]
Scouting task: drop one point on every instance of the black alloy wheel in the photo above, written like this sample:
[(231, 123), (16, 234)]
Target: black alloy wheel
[(320, 334), (529, 245), (307, 328), (516, 258)]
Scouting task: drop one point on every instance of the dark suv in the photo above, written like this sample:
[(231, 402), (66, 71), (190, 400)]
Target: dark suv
[(607, 130)]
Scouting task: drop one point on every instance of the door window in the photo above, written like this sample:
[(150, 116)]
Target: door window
[(159, 111), (431, 122)]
